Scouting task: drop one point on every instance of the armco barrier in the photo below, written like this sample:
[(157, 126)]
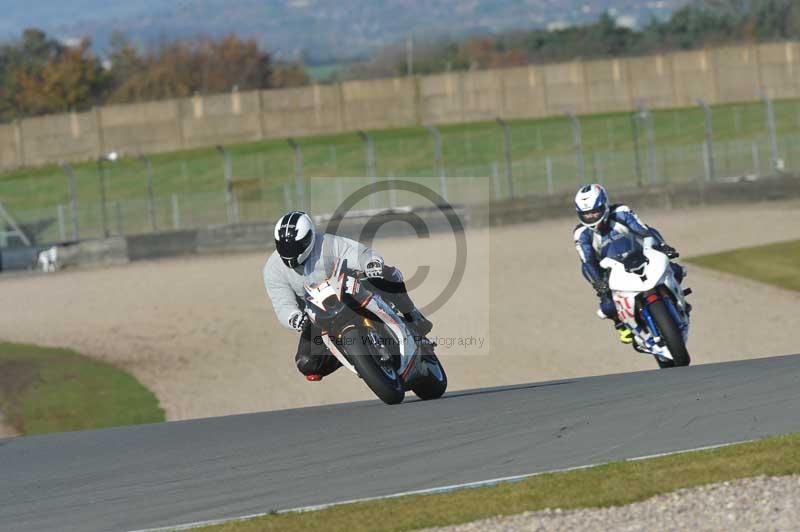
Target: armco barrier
[(536, 208), (401, 223), (234, 238), (161, 245), (259, 236), (105, 252)]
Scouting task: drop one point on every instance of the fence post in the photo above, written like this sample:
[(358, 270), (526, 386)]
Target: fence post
[(708, 151), (178, 107), (176, 212), (549, 165), (773, 136), (638, 160), (73, 199), (118, 209), (185, 175), (102, 180), (299, 183), (287, 197), (756, 161), (370, 147), (577, 138), (151, 200), (233, 207), (339, 192), (647, 117), (111, 157), (496, 179), (507, 150), (437, 150), (62, 230), (598, 169)]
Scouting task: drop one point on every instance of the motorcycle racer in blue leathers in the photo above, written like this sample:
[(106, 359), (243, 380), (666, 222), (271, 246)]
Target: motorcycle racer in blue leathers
[(600, 224)]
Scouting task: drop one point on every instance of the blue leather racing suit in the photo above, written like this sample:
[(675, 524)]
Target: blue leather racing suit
[(591, 245)]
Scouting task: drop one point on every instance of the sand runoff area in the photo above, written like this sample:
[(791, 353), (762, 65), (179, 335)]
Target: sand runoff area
[(201, 333)]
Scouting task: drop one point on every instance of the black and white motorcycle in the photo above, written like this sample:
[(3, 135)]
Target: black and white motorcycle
[(368, 337), (649, 300)]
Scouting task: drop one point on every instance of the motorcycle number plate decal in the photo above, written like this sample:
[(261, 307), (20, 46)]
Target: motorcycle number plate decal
[(624, 307)]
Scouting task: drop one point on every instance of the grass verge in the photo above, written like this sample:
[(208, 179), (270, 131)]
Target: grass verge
[(54, 390), (775, 264), (613, 484)]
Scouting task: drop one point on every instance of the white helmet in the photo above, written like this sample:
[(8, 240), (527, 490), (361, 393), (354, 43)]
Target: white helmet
[(591, 204), (294, 238)]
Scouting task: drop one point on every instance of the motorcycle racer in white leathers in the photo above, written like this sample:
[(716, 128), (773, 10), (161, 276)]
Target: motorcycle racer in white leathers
[(600, 224), (300, 251)]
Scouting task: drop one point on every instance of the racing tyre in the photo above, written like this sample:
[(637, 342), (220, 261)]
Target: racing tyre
[(382, 379), (664, 363), (670, 333), (434, 384)]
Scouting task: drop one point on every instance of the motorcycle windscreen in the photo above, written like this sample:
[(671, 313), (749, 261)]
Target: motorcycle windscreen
[(627, 251)]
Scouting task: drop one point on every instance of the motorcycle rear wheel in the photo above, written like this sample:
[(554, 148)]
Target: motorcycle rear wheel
[(671, 334), (383, 381)]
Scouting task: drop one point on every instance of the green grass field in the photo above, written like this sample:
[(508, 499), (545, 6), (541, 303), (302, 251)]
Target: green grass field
[(775, 264), (613, 484), (55, 390), (264, 171)]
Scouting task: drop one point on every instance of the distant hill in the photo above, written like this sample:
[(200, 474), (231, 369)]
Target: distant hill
[(320, 30)]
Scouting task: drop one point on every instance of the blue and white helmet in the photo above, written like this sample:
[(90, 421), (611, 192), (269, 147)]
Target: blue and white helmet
[(591, 204)]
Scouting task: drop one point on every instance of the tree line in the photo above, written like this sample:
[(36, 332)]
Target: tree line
[(700, 24), (41, 75)]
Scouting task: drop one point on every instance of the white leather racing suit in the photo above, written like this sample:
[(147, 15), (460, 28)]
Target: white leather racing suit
[(285, 285)]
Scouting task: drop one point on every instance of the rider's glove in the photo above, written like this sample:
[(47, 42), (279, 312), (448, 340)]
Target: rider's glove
[(669, 251), (374, 268), (298, 320), (601, 287)]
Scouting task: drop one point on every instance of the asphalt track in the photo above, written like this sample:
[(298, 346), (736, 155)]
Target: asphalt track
[(173, 473)]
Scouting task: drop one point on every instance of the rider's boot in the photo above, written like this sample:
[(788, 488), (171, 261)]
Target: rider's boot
[(420, 325), (328, 365), (625, 334), (393, 289)]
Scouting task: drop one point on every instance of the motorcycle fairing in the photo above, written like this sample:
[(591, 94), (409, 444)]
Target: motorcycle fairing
[(327, 298), (626, 287)]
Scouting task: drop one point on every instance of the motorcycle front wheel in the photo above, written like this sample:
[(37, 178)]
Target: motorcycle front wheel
[(434, 384), (381, 378), (671, 334)]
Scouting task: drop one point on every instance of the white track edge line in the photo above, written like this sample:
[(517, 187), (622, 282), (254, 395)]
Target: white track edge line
[(429, 491)]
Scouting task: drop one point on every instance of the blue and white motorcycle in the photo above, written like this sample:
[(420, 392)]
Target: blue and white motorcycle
[(649, 300)]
